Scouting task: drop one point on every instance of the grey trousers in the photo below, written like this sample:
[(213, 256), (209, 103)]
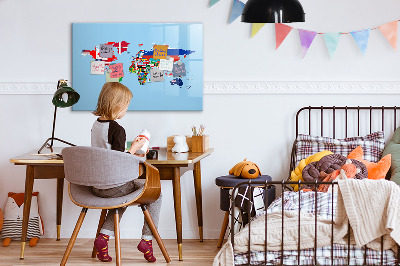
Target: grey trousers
[(153, 208)]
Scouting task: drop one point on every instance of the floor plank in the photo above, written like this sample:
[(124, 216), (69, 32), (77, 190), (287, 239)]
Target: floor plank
[(50, 252)]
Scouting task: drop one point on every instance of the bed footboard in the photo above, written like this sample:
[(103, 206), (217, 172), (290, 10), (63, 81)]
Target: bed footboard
[(309, 256)]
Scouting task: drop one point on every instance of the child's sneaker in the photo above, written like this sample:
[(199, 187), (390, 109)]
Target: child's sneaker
[(146, 247), (101, 245)]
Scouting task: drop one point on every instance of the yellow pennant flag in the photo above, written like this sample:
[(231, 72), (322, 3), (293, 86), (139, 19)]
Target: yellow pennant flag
[(256, 27)]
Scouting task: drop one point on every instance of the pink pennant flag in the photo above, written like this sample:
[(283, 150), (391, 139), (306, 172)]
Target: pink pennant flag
[(306, 39), (281, 31), (389, 30)]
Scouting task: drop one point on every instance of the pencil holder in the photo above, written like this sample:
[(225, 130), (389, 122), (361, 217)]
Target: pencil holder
[(200, 143)]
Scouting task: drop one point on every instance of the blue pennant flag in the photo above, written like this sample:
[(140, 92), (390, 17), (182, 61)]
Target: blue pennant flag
[(332, 41), (237, 9), (361, 37)]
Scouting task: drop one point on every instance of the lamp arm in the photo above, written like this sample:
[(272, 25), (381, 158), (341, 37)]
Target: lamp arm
[(54, 126)]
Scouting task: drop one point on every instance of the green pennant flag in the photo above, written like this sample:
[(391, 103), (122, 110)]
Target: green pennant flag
[(213, 2), (332, 41)]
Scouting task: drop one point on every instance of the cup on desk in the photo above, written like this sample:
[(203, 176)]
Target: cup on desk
[(152, 155)]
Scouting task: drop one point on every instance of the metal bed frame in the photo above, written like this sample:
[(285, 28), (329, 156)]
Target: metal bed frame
[(284, 184)]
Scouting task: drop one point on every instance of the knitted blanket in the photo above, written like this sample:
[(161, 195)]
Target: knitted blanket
[(371, 207)]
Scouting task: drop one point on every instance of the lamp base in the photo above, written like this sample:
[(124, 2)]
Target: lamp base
[(50, 146)]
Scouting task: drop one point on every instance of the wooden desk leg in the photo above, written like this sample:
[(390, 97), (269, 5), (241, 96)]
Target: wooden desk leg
[(60, 190), (199, 204), (27, 206), (176, 183)]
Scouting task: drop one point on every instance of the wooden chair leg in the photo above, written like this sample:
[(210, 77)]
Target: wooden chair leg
[(117, 238), (101, 222), (154, 230), (73, 237), (223, 229)]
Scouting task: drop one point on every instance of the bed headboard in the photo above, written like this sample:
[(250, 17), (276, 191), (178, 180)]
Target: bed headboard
[(344, 121)]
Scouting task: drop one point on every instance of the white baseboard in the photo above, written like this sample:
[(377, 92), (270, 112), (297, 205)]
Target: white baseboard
[(247, 87)]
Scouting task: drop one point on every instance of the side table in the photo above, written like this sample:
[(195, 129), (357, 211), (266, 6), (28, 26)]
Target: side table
[(226, 183)]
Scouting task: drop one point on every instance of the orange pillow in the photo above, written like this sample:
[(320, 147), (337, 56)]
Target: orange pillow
[(375, 170)]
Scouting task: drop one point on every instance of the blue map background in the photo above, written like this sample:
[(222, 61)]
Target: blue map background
[(160, 96)]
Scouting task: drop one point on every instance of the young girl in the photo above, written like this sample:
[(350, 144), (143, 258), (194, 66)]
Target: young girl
[(112, 104)]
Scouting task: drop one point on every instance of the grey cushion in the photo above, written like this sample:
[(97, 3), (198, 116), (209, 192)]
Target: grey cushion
[(83, 195), (99, 167), (393, 148)]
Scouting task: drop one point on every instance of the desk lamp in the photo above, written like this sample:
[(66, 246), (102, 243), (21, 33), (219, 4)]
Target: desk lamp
[(272, 11), (63, 97)]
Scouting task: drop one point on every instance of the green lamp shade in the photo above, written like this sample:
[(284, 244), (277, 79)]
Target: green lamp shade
[(65, 96)]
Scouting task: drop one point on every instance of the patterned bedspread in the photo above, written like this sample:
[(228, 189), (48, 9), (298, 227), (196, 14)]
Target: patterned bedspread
[(306, 202)]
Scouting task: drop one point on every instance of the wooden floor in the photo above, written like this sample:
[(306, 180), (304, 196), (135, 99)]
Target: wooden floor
[(50, 252)]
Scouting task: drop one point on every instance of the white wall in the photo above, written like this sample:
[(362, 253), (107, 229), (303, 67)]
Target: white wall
[(36, 47)]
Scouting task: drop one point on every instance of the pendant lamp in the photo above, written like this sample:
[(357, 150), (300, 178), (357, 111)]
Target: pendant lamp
[(63, 97), (272, 11)]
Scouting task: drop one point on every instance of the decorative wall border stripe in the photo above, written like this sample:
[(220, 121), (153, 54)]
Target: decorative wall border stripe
[(248, 87), (302, 87)]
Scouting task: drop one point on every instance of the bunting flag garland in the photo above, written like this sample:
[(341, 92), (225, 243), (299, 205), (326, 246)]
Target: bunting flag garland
[(306, 39), (389, 30), (213, 2), (256, 27), (237, 8), (361, 37), (332, 41), (281, 31)]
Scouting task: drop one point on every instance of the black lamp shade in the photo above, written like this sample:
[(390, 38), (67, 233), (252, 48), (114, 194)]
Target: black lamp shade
[(73, 96), (273, 11)]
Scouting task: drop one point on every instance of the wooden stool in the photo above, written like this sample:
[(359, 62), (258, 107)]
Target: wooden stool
[(226, 183)]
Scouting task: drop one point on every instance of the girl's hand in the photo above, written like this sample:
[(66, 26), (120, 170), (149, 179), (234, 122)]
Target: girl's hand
[(137, 144), (142, 155)]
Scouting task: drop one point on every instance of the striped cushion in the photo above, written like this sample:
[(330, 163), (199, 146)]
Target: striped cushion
[(13, 228), (372, 145)]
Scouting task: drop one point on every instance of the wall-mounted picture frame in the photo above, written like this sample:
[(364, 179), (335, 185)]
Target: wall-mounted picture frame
[(161, 63)]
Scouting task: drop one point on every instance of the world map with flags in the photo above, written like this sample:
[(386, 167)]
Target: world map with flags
[(142, 63)]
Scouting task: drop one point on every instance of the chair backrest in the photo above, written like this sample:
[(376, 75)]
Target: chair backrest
[(92, 166)]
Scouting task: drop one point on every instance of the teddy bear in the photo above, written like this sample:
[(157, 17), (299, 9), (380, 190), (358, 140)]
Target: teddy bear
[(13, 215), (180, 144), (245, 169)]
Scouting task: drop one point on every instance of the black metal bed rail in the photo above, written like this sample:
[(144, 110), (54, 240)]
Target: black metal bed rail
[(346, 124), (265, 185)]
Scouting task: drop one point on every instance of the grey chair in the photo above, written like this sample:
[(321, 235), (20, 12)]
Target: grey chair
[(85, 167)]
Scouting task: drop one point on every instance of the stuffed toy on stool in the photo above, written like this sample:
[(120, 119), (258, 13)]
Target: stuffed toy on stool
[(13, 215), (245, 169)]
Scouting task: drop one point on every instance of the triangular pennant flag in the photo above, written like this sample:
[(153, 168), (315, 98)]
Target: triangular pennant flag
[(306, 39), (332, 41), (281, 31), (255, 28), (390, 32), (361, 37), (237, 9), (213, 2)]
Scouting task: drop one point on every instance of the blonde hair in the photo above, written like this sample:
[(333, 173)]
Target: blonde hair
[(113, 97)]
